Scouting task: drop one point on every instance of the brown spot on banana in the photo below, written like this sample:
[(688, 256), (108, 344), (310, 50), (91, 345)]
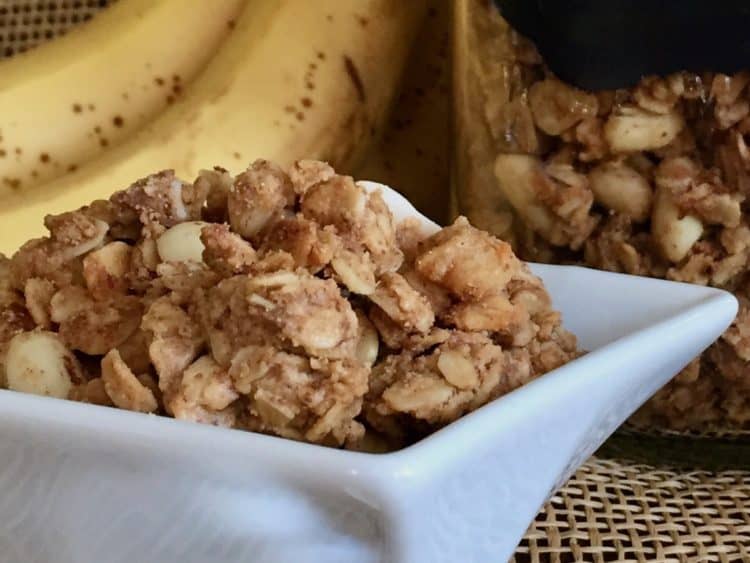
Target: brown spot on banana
[(12, 183), (353, 74)]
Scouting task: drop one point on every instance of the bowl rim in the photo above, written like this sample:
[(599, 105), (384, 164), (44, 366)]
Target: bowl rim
[(444, 447)]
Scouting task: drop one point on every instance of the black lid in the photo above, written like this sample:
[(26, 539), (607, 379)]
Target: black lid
[(606, 44)]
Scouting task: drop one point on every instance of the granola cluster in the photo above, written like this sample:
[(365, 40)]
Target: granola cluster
[(284, 303), (650, 180)]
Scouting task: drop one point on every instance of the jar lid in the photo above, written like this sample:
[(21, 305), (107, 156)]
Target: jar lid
[(607, 44)]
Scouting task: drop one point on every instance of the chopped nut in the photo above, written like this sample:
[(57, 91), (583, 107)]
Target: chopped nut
[(633, 129), (182, 242), (105, 270), (38, 294), (557, 106), (620, 188), (368, 343), (123, 387), (457, 369), (38, 362), (675, 235)]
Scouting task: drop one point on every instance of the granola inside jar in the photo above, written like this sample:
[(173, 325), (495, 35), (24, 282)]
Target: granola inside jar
[(649, 180)]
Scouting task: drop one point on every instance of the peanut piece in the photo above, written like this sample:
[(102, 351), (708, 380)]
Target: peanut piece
[(182, 242), (368, 343), (634, 129), (39, 363), (104, 269), (457, 369), (516, 175), (620, 188), (674, 234)]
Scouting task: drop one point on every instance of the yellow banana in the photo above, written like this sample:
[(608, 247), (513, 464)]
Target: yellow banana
[(68, 100), (296, 79)]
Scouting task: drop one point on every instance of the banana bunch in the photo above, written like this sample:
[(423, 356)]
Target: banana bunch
[(205, 83), (70, 99)]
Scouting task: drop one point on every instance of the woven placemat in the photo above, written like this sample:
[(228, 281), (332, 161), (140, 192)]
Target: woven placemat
[(611, 510), (26, 23)]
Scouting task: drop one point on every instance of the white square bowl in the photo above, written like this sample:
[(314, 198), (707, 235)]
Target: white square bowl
[(81, 483)]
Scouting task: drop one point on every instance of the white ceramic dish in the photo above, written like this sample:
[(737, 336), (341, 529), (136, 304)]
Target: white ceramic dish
[(85, 484)]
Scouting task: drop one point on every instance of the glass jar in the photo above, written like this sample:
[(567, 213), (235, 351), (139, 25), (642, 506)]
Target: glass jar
[(649, 180)]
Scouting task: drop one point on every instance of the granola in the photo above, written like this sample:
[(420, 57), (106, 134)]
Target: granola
[(650, 180), (285, 303)]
